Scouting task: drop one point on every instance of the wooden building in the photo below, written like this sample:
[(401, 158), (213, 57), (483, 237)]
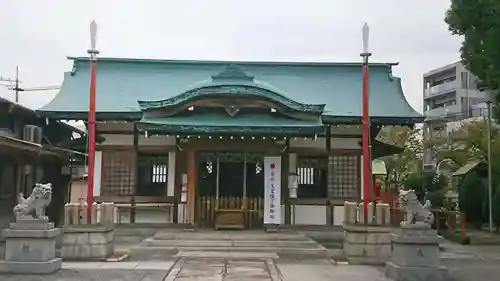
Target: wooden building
[(215, 143), (32, 149)]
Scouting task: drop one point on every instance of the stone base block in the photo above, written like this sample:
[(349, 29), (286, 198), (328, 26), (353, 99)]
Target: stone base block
[(367, 244), (31, 225), (45, 267), (407, 273), (87, 252), (87, 243), (30, 246)]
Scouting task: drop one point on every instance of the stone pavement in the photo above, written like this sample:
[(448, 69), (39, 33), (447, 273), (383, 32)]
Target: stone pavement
[(470, 263), (466, 263), (207, 270)]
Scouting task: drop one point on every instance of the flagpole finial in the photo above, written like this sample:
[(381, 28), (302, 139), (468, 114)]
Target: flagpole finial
[(93, 38), (366, 40)]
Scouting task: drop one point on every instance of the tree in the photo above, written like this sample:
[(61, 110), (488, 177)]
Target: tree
[(468, 143), (428, 186), (471, 198), (478, 21), (409, 160)]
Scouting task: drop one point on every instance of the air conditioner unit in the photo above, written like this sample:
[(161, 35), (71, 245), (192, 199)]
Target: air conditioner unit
[(32, 133)]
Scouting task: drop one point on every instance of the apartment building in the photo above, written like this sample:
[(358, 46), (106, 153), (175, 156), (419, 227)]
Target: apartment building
[(450, 97)]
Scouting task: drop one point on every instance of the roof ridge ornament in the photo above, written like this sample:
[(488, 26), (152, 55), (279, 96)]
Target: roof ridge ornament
[(233, 71), (232, 110)]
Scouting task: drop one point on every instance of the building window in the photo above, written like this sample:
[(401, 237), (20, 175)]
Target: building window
[(439, 128), (312, 177), (118, 172), (153, 175), (159, 174), (345, 177)]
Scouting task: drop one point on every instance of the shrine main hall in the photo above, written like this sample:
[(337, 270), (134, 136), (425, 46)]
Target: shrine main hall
[(230, 144)]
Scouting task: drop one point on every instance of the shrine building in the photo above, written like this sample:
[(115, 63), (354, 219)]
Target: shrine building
[(230, 144)]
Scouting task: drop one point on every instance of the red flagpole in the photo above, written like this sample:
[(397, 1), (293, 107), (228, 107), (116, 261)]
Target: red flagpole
[(367, 159), (91, 119)]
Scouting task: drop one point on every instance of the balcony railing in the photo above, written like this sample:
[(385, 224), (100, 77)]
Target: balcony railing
[(441, 88), (443, 111)]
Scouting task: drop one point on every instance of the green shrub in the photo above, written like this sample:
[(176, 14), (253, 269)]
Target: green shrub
[(471, 198), (496, 207), (456, 237)]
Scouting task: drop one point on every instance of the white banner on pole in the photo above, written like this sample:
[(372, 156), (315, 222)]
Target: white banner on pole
[(272, 190)]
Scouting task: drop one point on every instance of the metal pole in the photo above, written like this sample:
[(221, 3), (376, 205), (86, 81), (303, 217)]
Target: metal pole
[(367, 163), (91, 119), (17, 85), (490, 174)]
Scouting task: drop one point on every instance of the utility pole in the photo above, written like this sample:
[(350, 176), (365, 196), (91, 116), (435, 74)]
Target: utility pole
[(16, 82), (17, 89), (490, 174)]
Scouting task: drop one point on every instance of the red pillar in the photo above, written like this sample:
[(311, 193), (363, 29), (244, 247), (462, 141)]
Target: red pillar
[(367, 159), (91, 137), (91, 119)]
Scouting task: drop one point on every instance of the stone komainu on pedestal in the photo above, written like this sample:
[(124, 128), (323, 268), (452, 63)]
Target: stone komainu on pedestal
[(414, 211), (415, 246), (30, 241)]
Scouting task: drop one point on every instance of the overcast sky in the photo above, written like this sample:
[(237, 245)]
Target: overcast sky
[(38, 35)]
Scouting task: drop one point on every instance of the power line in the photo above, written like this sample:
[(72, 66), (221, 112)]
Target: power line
[(16, 88), (15, 82), (4, 79)]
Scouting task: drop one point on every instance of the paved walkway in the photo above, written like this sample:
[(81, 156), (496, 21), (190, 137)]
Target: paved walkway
[(466, 263), (206, 270)]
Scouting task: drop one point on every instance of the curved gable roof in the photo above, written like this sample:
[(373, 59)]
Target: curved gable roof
[(122, 82), (234, 82)]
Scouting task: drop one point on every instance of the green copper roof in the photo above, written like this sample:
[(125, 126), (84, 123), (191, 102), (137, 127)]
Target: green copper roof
[(121, 83), (234, 82), (241, 124)]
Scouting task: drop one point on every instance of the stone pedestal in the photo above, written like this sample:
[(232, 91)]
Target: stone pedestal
[(415, 255), (367, 244), (88, 242), (31, 247)]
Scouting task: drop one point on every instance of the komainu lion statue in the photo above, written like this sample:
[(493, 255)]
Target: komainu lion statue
[(34, 206), (415, 212)]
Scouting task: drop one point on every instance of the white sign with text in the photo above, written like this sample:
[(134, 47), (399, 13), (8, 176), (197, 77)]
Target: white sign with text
[(272, 190)]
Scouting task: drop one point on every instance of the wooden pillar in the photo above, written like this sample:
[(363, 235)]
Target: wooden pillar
[(191, 192), (175, 218), (328, 148), (180, 168), (136, 171), (284, 181)]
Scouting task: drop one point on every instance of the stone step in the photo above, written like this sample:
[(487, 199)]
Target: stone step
[(137, 229), (229, 243), (166, 252), (232, 236), (232, 255)]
